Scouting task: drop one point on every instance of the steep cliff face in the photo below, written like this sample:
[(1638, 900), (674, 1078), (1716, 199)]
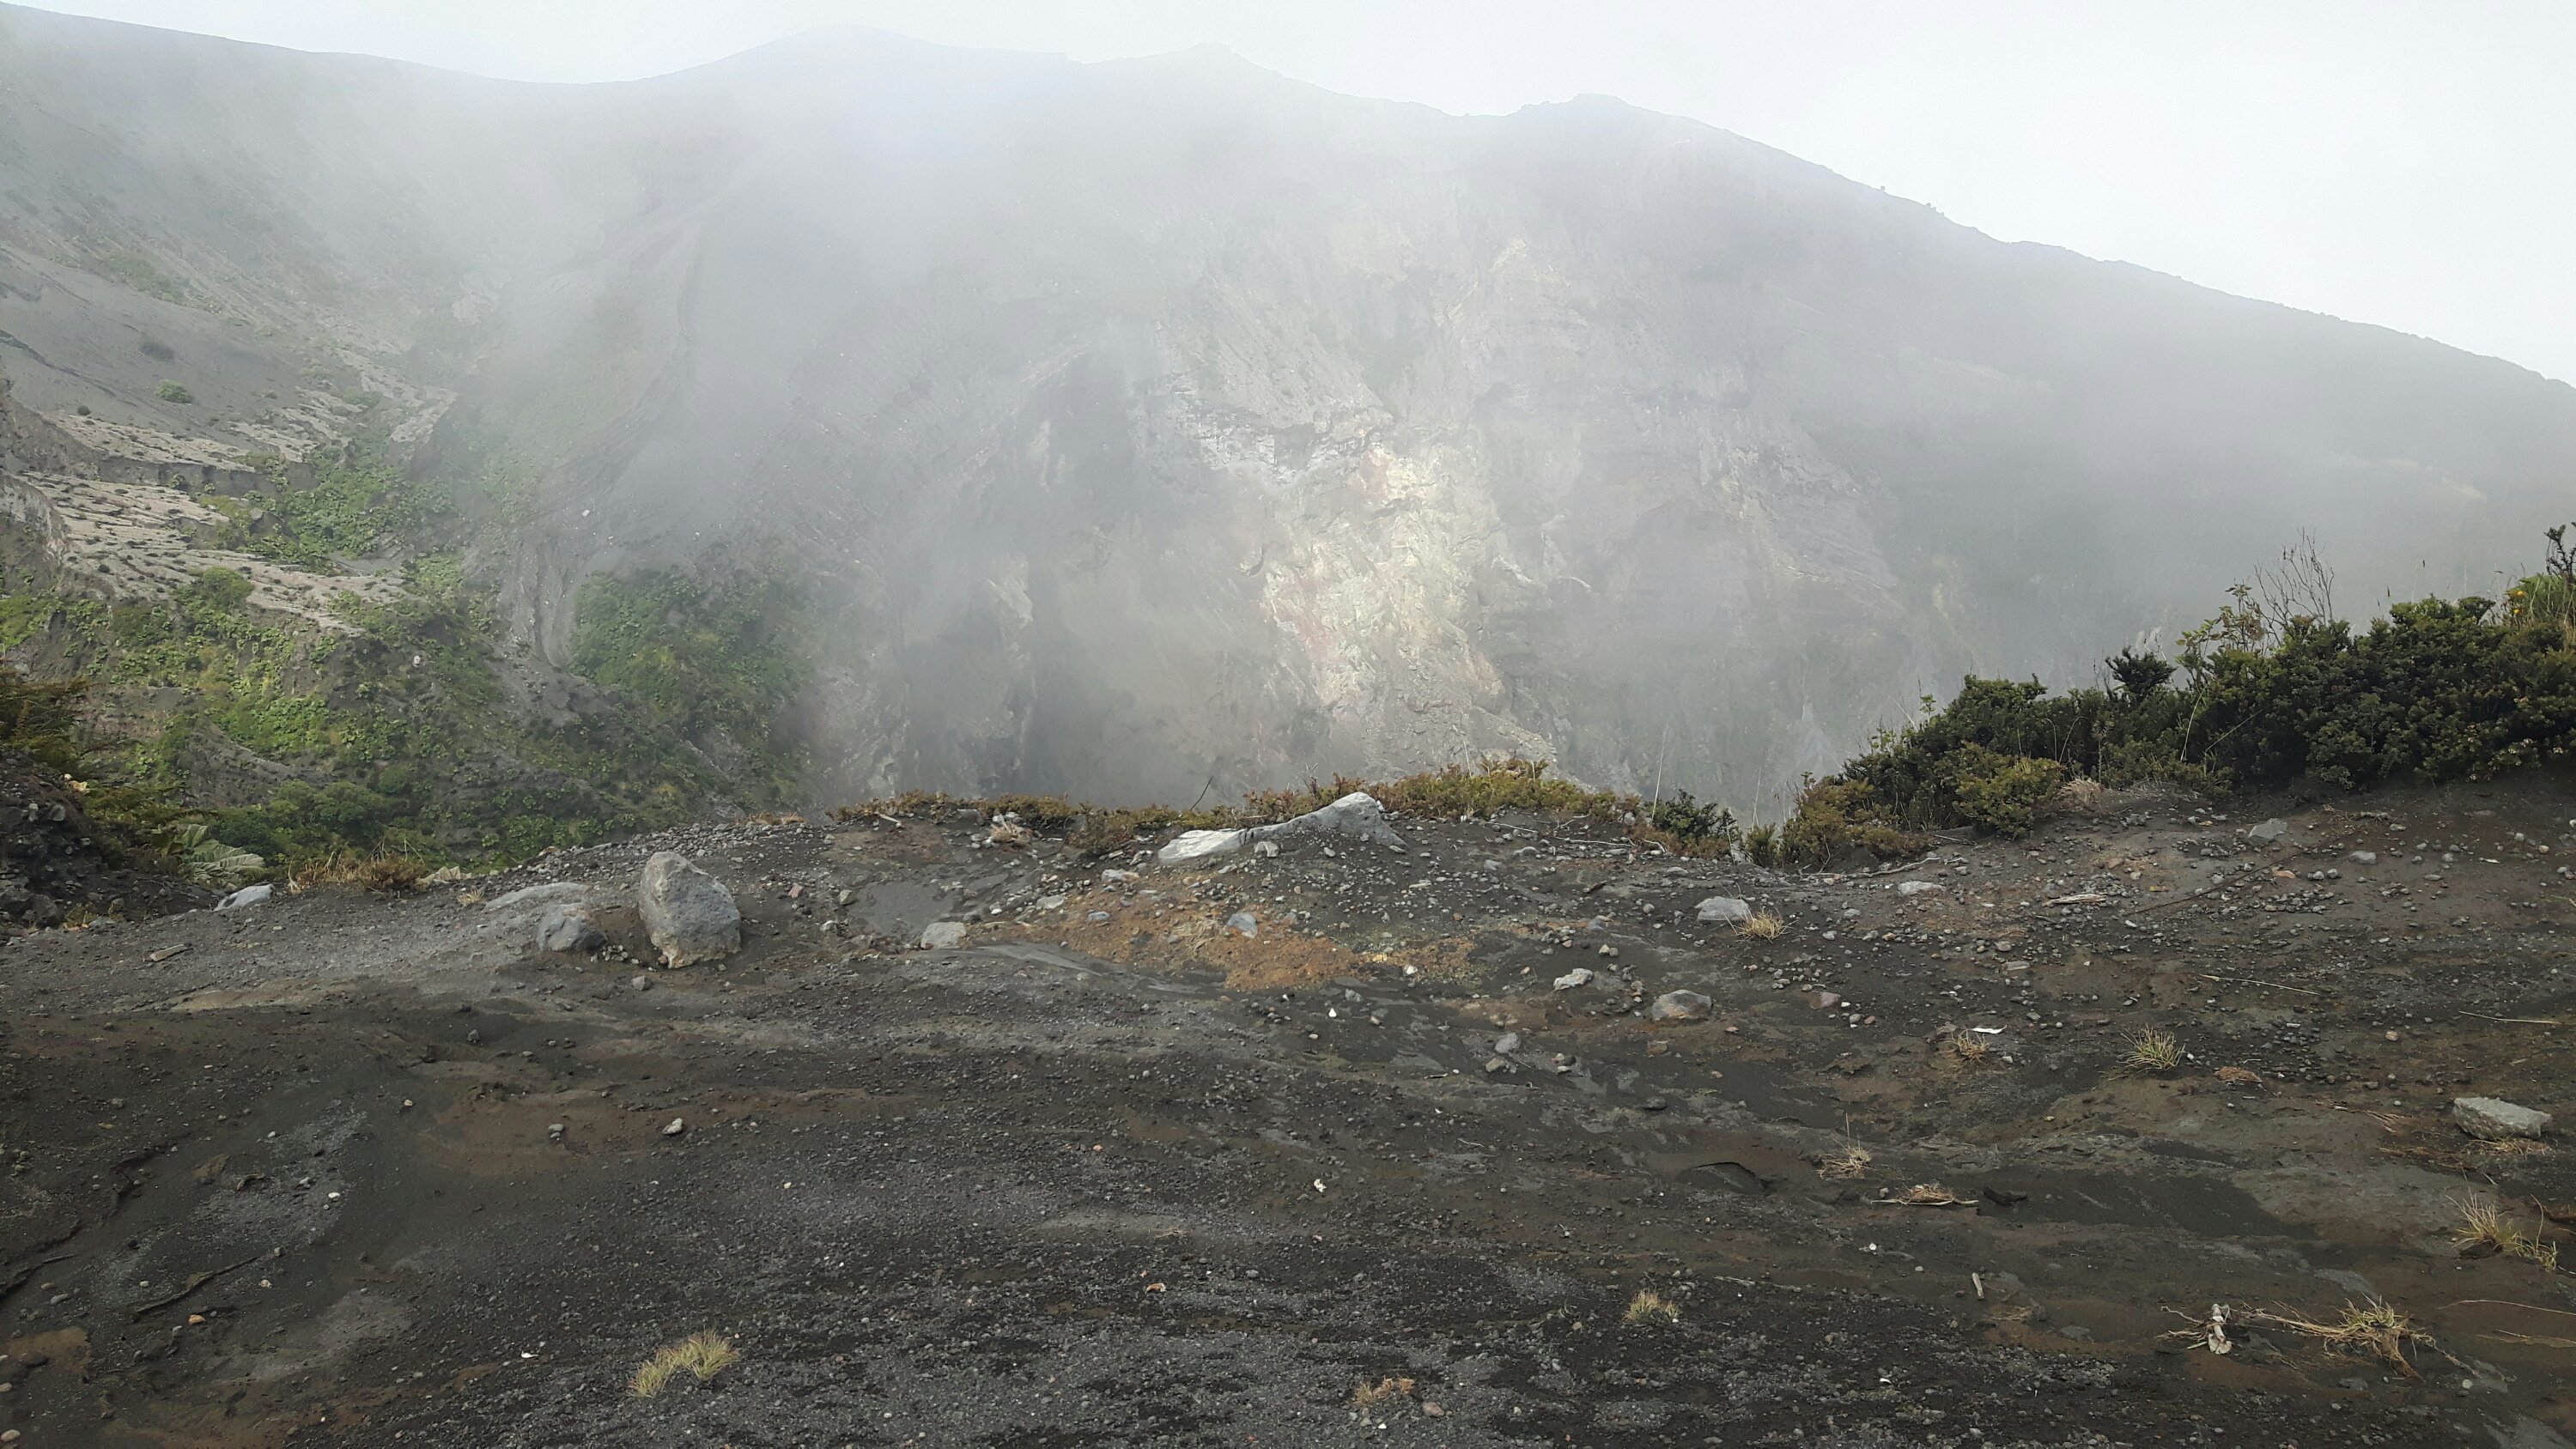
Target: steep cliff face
[(1162, 426)]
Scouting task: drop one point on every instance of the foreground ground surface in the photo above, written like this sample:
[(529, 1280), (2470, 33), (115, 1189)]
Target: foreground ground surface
[(344, 1169)]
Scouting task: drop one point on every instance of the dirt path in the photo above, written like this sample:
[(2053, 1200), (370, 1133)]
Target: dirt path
[(368, 1171)]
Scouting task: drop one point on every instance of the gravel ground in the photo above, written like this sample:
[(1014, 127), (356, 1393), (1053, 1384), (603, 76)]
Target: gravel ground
[(366, 1170)]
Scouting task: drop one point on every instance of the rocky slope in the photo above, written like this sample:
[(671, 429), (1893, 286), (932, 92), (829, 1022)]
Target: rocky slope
[(1163, 426), (1347, 1144)]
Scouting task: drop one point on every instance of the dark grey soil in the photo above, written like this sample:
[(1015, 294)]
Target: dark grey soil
[(358, 1170)]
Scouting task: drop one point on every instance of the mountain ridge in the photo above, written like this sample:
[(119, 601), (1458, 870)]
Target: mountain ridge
[(1130, 431)]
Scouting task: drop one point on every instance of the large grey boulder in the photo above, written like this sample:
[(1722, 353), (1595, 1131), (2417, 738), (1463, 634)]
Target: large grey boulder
[(688, 913), (2497, 1120), (1724, 910), (943, 935), (567, 927), (1356, 816)]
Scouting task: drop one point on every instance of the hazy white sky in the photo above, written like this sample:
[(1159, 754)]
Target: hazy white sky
[(2409, 164)]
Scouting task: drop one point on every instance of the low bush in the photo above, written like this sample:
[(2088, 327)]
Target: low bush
[(2436, 690)]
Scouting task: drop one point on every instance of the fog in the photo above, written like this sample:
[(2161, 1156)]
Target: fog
[(1146, 428), (2389, 163)]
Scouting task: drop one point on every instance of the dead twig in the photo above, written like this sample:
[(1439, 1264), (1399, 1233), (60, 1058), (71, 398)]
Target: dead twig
[(194, 1283)]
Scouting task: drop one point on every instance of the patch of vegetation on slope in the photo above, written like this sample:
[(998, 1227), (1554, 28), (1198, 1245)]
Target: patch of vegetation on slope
[(2274, 692), (712, 658), (394, 735)]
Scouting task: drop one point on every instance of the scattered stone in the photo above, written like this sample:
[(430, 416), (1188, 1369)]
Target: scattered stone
[(688, 913), (1579, 976), (676, 1126), (943, 935), (1243, 924), (2269, 831), (1506, 1044), (1915, 887), (2497, 1120), (1095, 917), (246, 896), (1724, 910), (566, 928), (1114, 877), (1679, 1006), (2366, 857)]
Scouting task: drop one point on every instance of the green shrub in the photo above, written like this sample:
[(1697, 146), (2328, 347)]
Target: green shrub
[(171, 392), (2435, 690), (2003, 793)]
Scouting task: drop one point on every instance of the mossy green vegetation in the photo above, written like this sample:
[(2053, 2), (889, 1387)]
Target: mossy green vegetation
[(331, 508), (712, 656), (2433, 691)]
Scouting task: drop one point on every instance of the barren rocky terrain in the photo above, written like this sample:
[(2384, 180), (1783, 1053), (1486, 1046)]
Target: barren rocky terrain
[(1333, 1146)]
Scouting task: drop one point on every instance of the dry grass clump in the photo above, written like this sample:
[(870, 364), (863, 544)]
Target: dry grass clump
[(1930, 1194), (1763, 926), (2486, 1231), (701, 1355), (2240, 1076), (1650, 1306), (383, 870), (2153, 1050), (1965, 1046), (1850, 1162), (2373, 1329), (1369, 1396)]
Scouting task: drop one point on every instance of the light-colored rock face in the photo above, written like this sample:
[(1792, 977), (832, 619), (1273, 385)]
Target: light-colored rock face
[(1725, 910), (689, 914), (1163, 428), (2497, 1120)]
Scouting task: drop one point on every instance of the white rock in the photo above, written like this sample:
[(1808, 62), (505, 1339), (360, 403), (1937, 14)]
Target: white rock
[(1244, 924), (1579, 976), (2366, 857), (1915, 887), (1192, 845), (676, 1126), (2496, 1120), (1679, 1006), (942, 935), (2269, 831), (246, 896), (1725, 910), (1506, 1044), (688, 913)]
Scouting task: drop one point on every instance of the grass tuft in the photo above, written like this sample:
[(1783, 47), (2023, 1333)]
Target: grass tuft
[(1650, 1306), (701, 1355), (2153, 1050), (1763, 926), (2485, 1231), (385, 871), (1370, 1395), (2373, 1329)]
